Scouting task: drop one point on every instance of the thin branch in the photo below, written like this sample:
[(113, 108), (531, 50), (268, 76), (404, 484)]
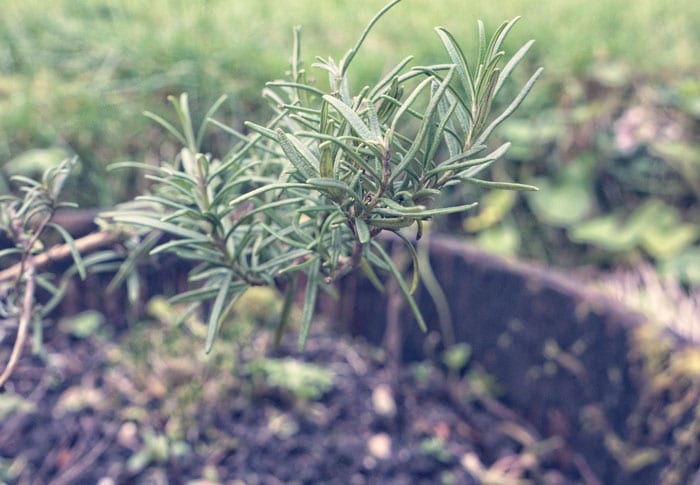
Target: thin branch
[(24, 319), (60, 252)]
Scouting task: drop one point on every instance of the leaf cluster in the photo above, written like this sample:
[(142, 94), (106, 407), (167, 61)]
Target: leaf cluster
[(301, 199), (26, 221)]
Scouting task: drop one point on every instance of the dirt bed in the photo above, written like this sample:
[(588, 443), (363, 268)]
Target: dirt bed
[(87, 413)]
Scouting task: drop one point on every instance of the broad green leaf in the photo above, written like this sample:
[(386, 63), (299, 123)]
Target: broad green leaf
[(664, 242), (495, 206), (684, 265), (502, 239), (607, 232), (563, 204)]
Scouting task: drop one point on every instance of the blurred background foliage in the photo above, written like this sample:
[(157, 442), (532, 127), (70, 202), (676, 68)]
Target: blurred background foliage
[(611, 134)]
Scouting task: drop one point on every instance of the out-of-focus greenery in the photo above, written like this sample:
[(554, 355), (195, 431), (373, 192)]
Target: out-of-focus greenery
[(617, 161), (75, 76)]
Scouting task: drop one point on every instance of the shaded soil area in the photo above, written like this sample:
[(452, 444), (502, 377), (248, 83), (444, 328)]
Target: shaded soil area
[(95, 411)]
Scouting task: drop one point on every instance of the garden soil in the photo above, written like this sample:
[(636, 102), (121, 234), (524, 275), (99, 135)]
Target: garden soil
[(79, 415)]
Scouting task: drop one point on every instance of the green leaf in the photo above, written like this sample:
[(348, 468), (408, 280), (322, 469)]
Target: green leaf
[(299, 154), (363, 234), (210, 112), (607, 232), (462, 162), (159, 225), (77, 257), (458, 59), (182, 107), (563, 204), (418, 141), (369, 272), (262, 130), (352, 118), (217, 310), (684, 265), (167, 125), (402, 285), (289, 294), (414, 259), (197, 295), (83, 325), (662, 242), (10, 252), (345, 63), (298, 86), (511, 64), (444, 210), (133, 258), (500, 185), (389, 78), (312, 281), (333, 186), (266, 188), (510, 109)]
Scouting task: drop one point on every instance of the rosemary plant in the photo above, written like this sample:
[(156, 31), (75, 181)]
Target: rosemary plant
[(301, 199), (26, 220)]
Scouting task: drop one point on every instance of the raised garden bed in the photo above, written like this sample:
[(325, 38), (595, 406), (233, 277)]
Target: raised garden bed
[(620, 391), (562, 387)]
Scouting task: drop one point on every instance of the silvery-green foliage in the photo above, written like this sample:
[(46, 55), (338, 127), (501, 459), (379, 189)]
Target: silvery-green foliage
[(26, 220), (301, 199)]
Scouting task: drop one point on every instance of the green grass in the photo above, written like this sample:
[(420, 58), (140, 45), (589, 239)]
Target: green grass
[(78, 74)]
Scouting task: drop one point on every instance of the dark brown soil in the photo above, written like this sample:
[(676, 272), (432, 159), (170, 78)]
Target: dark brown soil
[(369, 427)]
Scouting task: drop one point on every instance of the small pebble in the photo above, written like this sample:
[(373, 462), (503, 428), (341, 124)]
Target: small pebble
[(383, 401), (379, 446), (128, 435)]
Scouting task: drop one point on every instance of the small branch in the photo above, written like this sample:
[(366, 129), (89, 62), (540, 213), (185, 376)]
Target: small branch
[(60, 252), (24, 320)]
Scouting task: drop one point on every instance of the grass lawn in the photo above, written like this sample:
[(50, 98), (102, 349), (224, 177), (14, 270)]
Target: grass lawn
[(78, 74)]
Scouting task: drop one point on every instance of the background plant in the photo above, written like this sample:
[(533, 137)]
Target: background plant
[(618, 171), (26, 221), (75, 77), (302, 198)]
